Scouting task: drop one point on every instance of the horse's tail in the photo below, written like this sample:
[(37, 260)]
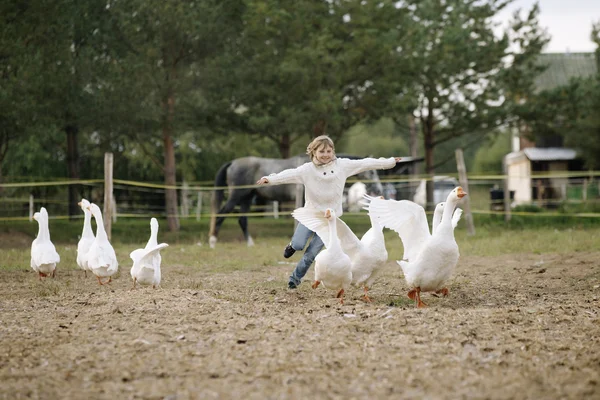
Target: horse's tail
[(217, 196)]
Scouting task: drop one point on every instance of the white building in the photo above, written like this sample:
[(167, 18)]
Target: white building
[(526, 169)]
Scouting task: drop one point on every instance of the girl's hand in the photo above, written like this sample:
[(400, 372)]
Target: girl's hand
[(397, 159), (262, 180)]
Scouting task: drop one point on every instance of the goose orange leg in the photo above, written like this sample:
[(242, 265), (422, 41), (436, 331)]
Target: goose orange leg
[(316, 284), (99, 280), (366, 296), (133, 287), (443, 291), (340, 295), (415, 294)]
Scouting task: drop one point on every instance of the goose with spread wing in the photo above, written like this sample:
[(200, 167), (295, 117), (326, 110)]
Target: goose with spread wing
[(332, 264), (87, 237), (43, 253), (146, 261), (367, 254), (429, 259), (102, 260)]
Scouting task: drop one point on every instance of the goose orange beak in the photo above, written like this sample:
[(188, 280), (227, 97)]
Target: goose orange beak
[(328, 213), (461, 193)]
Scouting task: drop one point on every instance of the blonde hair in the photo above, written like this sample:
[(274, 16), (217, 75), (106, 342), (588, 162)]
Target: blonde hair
[(317, 142)]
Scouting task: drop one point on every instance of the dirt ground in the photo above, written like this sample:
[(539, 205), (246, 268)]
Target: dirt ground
[(519, 326)]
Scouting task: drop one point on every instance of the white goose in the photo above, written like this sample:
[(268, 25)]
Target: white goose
[(102, 260), (332, 265), (429, 260), (43, 253), (146, 261), (87, 237), (367, 255)]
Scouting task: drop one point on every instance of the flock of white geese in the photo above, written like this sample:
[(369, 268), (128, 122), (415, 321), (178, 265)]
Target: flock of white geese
[(429, 259), (95, 253)]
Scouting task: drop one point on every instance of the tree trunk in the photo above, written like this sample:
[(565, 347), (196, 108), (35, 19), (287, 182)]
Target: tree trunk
[(428, 142), (73, 168), (284, 145), (3, 150), (413, 145), (170, 170)]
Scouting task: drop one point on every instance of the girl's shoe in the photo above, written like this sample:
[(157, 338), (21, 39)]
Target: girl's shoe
[(288, 251)]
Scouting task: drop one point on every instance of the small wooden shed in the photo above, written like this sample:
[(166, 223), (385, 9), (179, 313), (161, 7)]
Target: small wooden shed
[(524, 165)]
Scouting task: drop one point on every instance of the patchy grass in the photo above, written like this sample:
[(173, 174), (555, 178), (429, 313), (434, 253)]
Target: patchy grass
[(234, 255)]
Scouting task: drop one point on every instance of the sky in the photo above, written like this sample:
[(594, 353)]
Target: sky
[(569, 22)]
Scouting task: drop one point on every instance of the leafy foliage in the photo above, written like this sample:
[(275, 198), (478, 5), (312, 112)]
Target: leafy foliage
[(380, 139), (488, 158), (200, 82)]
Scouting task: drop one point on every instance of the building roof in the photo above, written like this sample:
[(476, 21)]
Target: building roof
[(543, 154), (550, 153), (561, 67)]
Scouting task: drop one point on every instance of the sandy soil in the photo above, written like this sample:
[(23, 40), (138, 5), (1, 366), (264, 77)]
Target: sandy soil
[(514, 327)]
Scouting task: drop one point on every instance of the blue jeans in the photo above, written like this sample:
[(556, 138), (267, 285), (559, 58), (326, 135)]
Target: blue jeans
[(299, 240)]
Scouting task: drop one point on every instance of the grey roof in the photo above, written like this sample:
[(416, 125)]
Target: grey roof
[(549, 154), (542, 154), (564, 66)]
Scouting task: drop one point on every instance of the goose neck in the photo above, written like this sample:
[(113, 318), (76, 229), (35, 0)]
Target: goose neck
[(100, 231), (43, 231), (447, 214), (153, 241), (87, 224), (333, 238)]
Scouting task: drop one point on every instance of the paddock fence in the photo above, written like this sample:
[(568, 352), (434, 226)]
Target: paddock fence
[(579, 196)]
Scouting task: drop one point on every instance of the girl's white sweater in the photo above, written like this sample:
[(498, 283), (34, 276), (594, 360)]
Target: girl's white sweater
[(324, 184)]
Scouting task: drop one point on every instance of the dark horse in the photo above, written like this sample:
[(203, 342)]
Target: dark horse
[(245, 172)]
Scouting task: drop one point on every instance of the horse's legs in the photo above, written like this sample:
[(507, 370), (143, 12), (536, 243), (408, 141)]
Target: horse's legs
[(226, 209), (243, 221)]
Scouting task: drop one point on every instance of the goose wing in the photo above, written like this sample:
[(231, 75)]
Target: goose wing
[(314, 220), (137, 254), (406, 218), (148, 256), (456, 217)]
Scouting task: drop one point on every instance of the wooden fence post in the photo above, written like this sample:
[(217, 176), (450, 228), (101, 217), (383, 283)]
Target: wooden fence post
[(199, 206), (31, 209), (464, 182), (185, 201), (506, 188), (108, 193)]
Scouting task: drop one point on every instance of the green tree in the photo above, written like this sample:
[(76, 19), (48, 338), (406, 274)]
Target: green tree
[(303, 68), (464, 78), (488, 158), (53, 52), (381, 139), (164, 69)]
